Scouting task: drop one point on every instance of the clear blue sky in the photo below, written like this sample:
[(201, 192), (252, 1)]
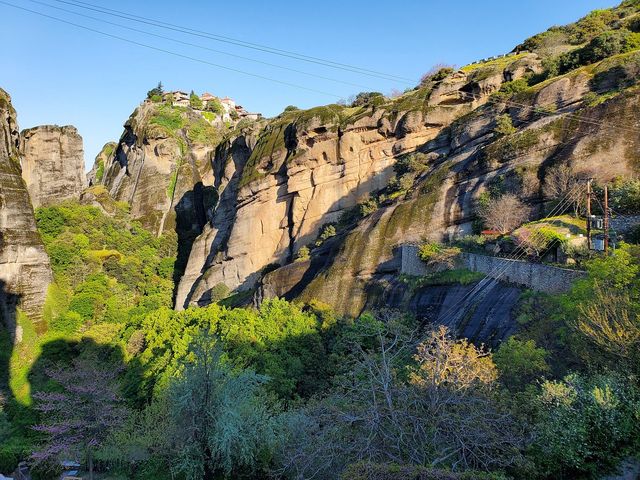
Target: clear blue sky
[(60, 74)]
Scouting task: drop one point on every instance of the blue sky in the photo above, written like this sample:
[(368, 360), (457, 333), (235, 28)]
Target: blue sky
[(60, 74)]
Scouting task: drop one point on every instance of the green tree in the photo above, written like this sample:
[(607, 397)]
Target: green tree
[(194, 101), (157, 91), (520, 362), (221, 422), (504, 125)]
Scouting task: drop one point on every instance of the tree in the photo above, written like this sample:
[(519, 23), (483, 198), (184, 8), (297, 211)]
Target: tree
[(520, 362), (79, 416), (194, 101), (504, 125), (214, 105), (561, 182), (156, 91), (504, 213), (437, 73), (220, 417), (443, 414), (367, 98)]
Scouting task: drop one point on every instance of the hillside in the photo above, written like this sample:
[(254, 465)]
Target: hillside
[(330, 293)]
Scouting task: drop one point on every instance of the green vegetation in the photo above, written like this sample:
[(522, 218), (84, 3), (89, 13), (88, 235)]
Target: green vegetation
[(167, 117)]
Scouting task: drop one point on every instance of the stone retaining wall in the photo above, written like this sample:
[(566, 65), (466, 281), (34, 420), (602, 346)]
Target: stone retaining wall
[(539, 277)]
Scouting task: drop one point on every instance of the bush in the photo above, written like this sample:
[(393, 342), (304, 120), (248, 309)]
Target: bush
[(68, 322), (215, 106), (584, 425), (437, 255), (303, 254), (366, 98), (411, 163), (392, 471), (327, 231), (520, 362), (504, 126), (437, 73), (291, 108)]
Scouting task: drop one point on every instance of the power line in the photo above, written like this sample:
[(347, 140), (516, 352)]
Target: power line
[(237, 42), (201, 46), (169, 52)]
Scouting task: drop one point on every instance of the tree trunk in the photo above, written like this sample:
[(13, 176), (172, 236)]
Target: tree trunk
[(90, 464)]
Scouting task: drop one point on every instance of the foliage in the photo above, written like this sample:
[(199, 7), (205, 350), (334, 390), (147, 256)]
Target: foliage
[(584, 425), (327, 231), (520, 362), (303, 254), (437, 73), (503, 214), (440, 414), (218, 416), (167, 117), (194, 101), (78, 416), (367, 98), (438, 256), (415, 162), (624, 196), (393, 471), (504, 126), (155, 92), (215, 106)]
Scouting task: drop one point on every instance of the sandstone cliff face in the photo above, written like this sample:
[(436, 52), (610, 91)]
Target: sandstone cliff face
[(307, 168), (25, 271), (52, 164), (160, 166)]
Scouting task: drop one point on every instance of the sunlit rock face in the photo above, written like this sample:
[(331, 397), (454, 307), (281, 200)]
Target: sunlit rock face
[(25, 272), (52, 164)]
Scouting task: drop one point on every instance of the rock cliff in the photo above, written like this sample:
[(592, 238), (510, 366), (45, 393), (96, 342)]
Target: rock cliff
[(278, 186), (25, 271), (52, 164)]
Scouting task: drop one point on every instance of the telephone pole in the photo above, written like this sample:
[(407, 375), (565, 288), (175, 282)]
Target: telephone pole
[(606, 219), (589, 214)]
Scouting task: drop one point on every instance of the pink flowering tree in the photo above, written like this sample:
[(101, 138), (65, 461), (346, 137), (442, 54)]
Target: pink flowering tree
[(78, 416)]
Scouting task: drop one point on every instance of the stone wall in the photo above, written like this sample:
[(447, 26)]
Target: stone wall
[(539, 277)]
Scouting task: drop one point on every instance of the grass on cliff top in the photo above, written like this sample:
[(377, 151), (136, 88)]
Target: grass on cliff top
[(562, 224), (496, 64)]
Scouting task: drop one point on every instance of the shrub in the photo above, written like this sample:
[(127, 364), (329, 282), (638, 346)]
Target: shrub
[(156, 92), (520, 362), (437, 73), (504, 213), (303, 254), (435, 254), (136, 343), (168, 118), (327, 231), (68, 322), (504, 126), (291, 108), (219, 292), (367, 98), (516, 86), (215, 106), (584, 425), (411, 163)]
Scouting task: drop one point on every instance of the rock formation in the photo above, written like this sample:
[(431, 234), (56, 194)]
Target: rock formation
[(52, 164), (309, 168), (25, 271)]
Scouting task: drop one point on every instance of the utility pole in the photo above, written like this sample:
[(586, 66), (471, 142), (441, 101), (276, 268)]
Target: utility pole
[(589, 214), (606, 219)]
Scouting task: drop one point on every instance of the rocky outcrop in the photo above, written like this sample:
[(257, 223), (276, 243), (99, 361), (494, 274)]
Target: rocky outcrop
[(160, 166), (309, 168), (52, 164), (25, 271)]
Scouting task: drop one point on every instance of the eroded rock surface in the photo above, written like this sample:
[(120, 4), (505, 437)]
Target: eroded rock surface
[(25, 271), (52, 164)]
